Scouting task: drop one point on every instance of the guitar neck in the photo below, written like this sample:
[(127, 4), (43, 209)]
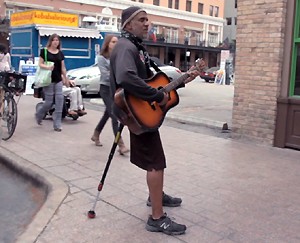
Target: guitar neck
[(173, 84)]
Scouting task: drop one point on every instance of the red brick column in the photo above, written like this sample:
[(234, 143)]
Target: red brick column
[(259, 53)]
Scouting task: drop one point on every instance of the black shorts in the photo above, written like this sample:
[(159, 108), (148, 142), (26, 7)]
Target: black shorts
[(146, 151)]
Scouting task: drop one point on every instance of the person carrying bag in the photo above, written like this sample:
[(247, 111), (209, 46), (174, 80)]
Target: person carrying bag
[(43, 75), (53, 92)]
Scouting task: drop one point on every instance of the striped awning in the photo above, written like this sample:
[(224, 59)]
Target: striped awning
[(68, 32)]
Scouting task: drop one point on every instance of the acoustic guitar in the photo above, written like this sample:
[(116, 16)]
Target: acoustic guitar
[(142, 116)]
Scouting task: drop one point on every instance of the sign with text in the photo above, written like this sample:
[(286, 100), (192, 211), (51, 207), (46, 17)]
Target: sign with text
[(29, 70), (43, 17)]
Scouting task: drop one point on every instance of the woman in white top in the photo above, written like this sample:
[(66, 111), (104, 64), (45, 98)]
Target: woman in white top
[(5, 63)]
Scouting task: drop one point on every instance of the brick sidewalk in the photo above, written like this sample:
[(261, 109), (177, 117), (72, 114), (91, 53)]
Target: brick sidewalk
[(232, 191)]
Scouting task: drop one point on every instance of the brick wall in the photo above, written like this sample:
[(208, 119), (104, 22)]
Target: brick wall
[(260, 40)]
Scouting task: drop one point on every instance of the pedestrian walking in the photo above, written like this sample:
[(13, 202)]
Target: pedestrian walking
[(53, 93), (104, 66)]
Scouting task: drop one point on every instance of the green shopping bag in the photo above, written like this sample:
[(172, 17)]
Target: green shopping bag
[(43, 76)]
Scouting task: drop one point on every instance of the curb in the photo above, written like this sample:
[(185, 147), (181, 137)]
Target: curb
[(192, 120), (56, 192), (197, 121)]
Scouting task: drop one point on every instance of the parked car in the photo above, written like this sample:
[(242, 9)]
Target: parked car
[(209, 74), (87, 78), (172, 72)]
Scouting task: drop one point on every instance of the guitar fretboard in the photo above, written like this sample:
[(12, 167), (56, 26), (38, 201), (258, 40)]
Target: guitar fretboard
[(173, 84)]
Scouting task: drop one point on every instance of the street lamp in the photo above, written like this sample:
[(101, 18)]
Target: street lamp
[(187, 54)]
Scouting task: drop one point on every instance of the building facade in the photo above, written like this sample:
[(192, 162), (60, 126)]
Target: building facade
[(266, 106), (180, 31), (230, 16)]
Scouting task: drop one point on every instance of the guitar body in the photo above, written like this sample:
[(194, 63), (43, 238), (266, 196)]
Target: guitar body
[(141, 116)]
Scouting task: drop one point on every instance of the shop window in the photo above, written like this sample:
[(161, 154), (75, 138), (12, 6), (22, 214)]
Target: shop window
[(295, 66), (296, 79)]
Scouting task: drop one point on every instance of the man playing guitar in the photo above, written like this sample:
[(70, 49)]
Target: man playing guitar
[(130, 68)]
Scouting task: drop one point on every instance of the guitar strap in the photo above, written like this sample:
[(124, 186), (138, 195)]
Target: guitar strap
[(153, 64), (139, 44)]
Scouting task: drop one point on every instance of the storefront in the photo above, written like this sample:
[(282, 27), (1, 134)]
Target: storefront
[(30, 31), (288, 116), (266, 106), (183, 56)]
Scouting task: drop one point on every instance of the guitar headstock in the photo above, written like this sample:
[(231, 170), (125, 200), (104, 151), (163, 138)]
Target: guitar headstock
[(200, 64), (195, 70)]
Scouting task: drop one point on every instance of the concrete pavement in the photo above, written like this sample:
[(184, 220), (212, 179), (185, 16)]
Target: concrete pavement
[(232, 191), (201, 103)]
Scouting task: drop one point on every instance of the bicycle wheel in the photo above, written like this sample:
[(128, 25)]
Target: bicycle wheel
[(9, 117)]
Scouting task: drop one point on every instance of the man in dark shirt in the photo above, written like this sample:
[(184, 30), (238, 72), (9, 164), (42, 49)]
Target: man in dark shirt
[(129, 68)]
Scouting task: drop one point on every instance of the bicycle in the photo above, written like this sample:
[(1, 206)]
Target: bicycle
[(11, 84)]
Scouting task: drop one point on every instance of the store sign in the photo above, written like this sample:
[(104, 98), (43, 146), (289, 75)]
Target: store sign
[(43, 17)]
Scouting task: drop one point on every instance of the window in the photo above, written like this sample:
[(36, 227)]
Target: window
[(171, 35), (216, 11), (119, 23), (176, 4), (295, 66), (297, 80), (170, 4), (235, 4), (200, 8), (228, 21), (235, 21), (188, 5), (8, 13), (187, 39), (156, 2), (213, 39), (141, 1), (211, 10), (104, 20), (199, 39)]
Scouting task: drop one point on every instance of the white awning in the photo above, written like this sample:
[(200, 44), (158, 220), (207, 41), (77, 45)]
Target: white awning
[(68, 32)]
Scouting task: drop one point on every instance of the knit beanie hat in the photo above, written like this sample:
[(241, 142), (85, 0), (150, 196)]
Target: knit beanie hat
[(128, 14)]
